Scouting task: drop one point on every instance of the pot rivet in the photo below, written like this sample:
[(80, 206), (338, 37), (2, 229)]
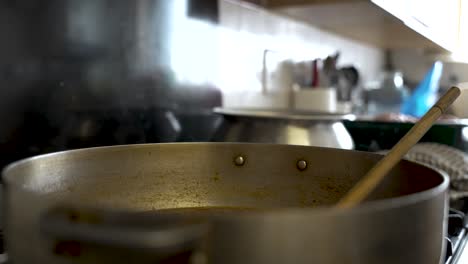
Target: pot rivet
[(301, 165), (239, 161)]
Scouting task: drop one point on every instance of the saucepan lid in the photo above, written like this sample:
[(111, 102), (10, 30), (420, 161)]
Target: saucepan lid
[(276, 113)]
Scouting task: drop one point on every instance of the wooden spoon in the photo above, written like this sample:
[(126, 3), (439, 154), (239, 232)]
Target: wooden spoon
[(368, 183)]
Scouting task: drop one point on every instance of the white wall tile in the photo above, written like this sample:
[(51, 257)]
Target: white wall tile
[(246, 31)]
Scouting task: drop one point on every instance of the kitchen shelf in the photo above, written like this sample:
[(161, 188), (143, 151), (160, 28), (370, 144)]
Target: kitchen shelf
[(393, 24)]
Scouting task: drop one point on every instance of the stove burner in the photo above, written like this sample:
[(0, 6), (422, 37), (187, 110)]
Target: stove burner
[(457, 231)]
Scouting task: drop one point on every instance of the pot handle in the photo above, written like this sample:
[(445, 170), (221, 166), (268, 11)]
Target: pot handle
[(132, 230)]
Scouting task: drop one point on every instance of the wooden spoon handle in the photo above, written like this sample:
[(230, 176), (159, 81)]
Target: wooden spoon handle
[(368, 183)]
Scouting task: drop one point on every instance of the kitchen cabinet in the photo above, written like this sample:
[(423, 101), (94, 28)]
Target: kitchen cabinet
[(432, 25), (437, 20)]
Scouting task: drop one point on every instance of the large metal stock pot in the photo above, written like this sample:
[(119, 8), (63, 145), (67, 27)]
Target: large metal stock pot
[(257, 203)]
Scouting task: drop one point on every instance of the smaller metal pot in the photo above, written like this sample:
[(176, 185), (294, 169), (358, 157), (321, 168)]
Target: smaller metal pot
[(284, 127)]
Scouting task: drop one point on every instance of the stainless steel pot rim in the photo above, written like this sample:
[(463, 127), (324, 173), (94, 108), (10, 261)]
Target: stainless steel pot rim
[(271, 113), (384, 204)]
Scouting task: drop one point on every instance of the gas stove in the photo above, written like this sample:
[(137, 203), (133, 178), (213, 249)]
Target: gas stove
[(457, 233)]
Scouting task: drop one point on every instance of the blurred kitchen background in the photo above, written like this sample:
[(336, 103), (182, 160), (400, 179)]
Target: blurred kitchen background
[(88, 73)]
